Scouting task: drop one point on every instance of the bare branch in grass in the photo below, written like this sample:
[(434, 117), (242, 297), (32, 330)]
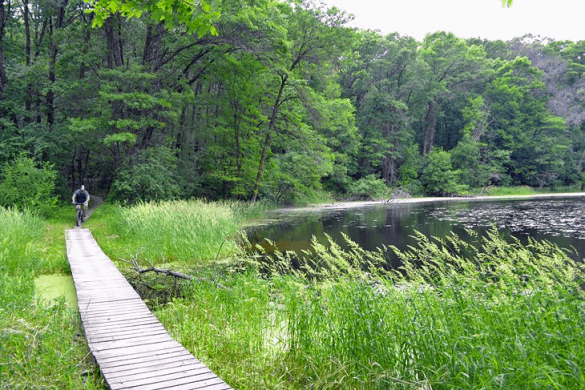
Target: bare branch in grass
[(179, 275)]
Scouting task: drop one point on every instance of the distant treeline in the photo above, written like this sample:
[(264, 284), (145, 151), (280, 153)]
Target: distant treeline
[(283, 102)]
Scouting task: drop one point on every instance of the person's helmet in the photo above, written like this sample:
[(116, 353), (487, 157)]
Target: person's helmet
[(82, 187)]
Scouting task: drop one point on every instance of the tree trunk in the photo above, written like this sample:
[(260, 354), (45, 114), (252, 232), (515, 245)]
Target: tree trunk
[(114, 56), (268, 139), (4, 15), (430, 126), (389, 170), (50, 99), (86, 39), (238, 148), (54, 50), (27, 49)]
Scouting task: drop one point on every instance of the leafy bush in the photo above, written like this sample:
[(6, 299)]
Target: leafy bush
[(439, 177), (295, 177), (28, 184), (369, 187), (151, 176)]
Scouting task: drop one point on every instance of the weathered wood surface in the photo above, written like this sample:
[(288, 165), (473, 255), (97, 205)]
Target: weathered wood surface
[(131, 347)]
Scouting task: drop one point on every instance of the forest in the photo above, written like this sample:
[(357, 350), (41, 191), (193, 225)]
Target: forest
[(275, 100)]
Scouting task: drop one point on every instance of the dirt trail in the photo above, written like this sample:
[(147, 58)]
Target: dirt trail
[(96, 202)]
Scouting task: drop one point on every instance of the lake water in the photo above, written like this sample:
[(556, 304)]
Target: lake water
[(560, 220)]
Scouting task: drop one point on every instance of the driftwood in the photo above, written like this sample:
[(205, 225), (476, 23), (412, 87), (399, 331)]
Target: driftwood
[(398, 193), (136, 267)]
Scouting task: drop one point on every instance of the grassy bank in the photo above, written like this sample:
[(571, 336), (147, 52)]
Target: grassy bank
[(183, 232), (524, 190), (41, 344), (508, 317)]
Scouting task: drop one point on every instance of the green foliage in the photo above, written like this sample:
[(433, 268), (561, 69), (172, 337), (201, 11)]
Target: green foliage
[(296, 174), (120, 137), (149, 176), (27, 184), (438, 175), (409, 169), (476, 166), (522, 125), (194, 17), (369, 187), (280, 100)]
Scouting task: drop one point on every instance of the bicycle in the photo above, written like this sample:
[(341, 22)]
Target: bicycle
[(79, 214)]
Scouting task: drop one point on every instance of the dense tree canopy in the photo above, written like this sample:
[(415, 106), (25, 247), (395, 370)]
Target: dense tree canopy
[(277, 100)]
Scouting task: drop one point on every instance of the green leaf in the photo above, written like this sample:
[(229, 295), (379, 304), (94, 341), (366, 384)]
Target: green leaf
[(120, 137)]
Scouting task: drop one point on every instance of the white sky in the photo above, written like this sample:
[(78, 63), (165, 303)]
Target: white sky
[(557, 19)]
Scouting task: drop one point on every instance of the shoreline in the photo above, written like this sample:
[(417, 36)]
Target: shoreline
[(357, 204)]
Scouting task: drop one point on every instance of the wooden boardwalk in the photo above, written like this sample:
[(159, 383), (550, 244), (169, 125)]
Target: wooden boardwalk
[(131, 347)]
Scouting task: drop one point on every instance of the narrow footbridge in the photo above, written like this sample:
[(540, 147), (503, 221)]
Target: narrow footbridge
[(131, 347)]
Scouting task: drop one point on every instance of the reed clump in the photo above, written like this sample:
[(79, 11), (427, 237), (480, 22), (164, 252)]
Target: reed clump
[(178, 231), (488, 314)]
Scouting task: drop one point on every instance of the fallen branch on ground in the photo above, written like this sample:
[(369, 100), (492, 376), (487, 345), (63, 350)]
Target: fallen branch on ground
[(136, 267)]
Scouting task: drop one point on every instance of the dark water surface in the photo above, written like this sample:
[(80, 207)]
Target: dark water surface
[(558, 220)]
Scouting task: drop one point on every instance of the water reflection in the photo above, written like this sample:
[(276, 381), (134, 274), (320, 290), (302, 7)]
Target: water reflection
[(557, 220)]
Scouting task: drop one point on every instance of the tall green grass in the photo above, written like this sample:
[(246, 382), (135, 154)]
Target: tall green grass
[(493, 315), (505, 191), (40, 342), (525, 190), (18, 233), (183, 231)]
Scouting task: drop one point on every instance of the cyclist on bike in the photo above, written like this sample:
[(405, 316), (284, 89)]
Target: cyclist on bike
[(81, 197)]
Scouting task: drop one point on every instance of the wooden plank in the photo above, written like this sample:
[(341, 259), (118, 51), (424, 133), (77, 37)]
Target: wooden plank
[(89, 329), (99, 287), (152, 366), (193, 383), (131, 342), (145, 359), (127, 337), (135, 350), (98, 307), (141, 375), (154, 327), (121, 326), (119, 302), (90, 310), (189, 386), (120, 319), (83, 302), (163, 380), (170, 357), (130, 345), (88, 316), (158, 350), (116, 294)]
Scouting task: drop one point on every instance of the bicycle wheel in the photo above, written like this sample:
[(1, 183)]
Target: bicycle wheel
[(78, 218)]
